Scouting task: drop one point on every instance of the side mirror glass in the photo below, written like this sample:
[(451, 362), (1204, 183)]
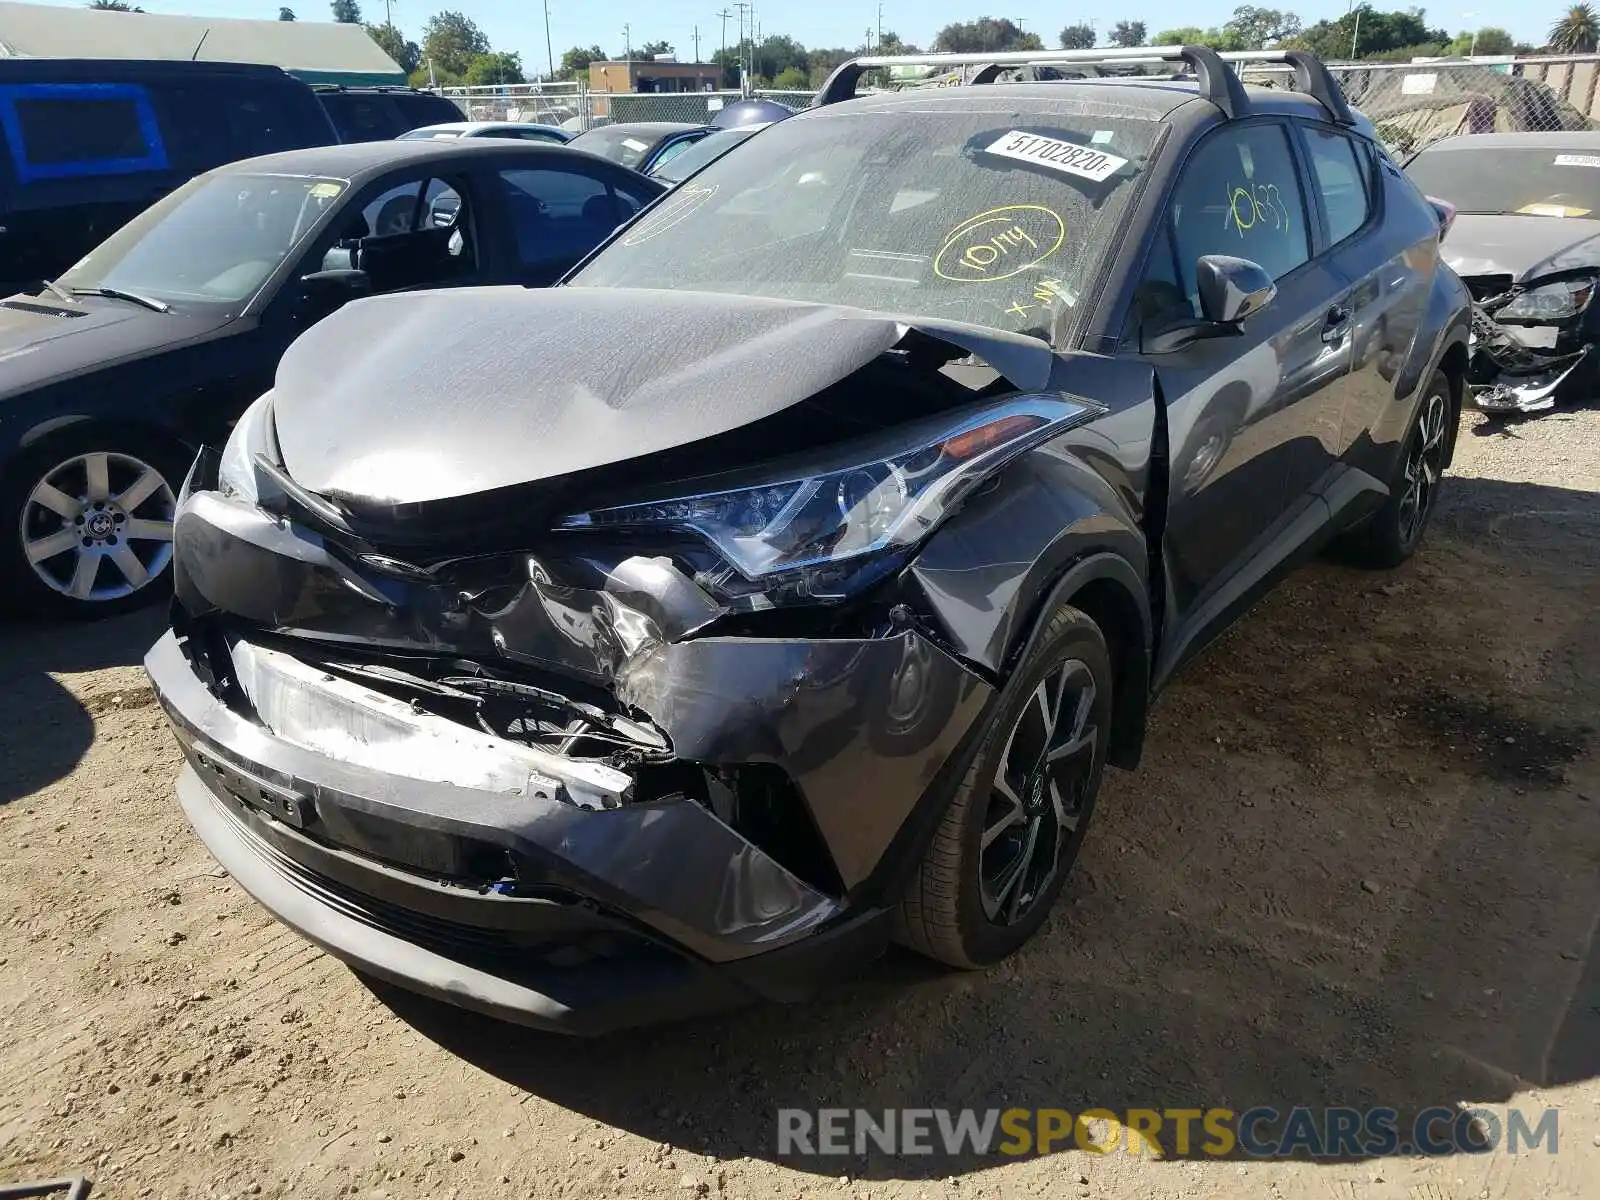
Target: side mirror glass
[(1232, 289)]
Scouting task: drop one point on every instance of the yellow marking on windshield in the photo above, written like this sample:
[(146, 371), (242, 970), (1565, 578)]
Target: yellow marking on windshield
[(999, 243)]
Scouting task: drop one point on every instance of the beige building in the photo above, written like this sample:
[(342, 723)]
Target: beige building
[(649, 75)]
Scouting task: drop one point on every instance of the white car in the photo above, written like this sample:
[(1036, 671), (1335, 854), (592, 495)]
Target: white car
[(524, 130)]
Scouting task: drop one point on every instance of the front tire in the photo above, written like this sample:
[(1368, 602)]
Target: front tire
[(86, 524), (1394, 532), (1002, 849)]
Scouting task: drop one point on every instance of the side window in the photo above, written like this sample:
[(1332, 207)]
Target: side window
[(59, 131), (1239, 195), (559, 216), (671, 152), (359, 118), (1340, 170), (212, 124), (400, 209)]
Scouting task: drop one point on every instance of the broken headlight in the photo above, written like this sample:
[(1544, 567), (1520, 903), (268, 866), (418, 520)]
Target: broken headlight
[(252, 435), (1551, 301), (854, 506)]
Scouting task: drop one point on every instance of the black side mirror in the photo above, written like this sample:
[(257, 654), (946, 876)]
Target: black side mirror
[(1232, 289), (330, 289)]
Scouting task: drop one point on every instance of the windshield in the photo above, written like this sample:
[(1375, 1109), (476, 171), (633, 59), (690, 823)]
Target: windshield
[(213, 241), (1544, 183), (619, 143), (427, 134), (708, 149), (975, 215)]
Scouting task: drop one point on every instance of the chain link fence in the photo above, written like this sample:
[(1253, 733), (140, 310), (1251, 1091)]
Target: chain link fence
[(1416, 104), (563, 104), (1412, 104), (576, 108)]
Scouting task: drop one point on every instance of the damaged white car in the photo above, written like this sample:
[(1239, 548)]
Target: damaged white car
[(1526, 240)]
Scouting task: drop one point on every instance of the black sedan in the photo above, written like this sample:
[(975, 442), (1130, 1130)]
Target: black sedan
[(782, 582), (155, 342), (641, 145)]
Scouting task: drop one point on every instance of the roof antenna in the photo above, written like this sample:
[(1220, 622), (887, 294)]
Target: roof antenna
[(200, 43)]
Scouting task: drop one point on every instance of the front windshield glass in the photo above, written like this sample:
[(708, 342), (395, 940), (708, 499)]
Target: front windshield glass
[(708, 149), (982, 215), (620, 144), (213, 241), (1543, 183)]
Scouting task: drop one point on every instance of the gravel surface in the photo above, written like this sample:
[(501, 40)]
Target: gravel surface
[(1358, 867)]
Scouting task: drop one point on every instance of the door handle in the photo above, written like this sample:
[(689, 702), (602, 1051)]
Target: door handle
[(1336, 326)]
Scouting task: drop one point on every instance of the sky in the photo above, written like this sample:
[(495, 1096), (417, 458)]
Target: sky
[(519, 24)]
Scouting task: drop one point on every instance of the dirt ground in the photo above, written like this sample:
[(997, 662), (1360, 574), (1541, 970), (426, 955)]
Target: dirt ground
[(1361, 865)]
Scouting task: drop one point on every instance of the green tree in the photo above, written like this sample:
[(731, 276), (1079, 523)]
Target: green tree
[(575, 62), (495, 67), (1252, 28), (1388, 35), (1488, 40), (1577, 32), (1193, 35), (985, 34), (406, 54), (346, 12), (286, 14), (1077, 37), (1127, 33), (651, 49), (113, 6), (452, 41), (792, 79), (824, 62), (776, 54)]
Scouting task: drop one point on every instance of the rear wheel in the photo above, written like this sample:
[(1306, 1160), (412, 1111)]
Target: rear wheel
[(1394, 532), (1003, 847), (88, 524)]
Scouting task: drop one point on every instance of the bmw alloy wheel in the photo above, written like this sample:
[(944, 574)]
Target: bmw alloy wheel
[(1424, 466), (1037, 799), (98, 526)]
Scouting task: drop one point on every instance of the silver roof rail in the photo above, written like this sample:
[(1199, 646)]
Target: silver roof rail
[(1217, 82)]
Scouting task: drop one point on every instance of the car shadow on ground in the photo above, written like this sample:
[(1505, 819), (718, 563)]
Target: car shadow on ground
[(1357, 868), (44, 728)]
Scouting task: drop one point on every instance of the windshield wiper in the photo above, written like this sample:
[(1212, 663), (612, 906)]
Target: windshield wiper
[(118, 294), (60, 292)]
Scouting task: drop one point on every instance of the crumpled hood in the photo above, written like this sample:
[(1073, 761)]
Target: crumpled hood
[(425, 396), (1521, 246), (43, 341)]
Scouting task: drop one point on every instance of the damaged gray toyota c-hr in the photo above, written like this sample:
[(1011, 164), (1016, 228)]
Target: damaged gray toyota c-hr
[(782, 582)]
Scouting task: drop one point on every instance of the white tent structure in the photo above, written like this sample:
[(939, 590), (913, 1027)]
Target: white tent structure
[(316, 51)]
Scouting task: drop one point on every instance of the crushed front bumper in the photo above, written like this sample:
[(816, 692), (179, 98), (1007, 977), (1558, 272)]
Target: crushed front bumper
[(639, 914), (1521, 367)]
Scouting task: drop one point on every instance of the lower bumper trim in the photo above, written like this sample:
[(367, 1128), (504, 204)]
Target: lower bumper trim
[(585, 1001)]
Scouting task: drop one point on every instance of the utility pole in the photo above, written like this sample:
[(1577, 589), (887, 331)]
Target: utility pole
[(388, 13), (549, 50), (627, 46), (724, 14), (697, 45), (880, 26)]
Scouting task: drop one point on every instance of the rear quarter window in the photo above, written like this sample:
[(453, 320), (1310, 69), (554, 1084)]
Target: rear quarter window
[(360, 118), (211, 123), (76, 130)]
